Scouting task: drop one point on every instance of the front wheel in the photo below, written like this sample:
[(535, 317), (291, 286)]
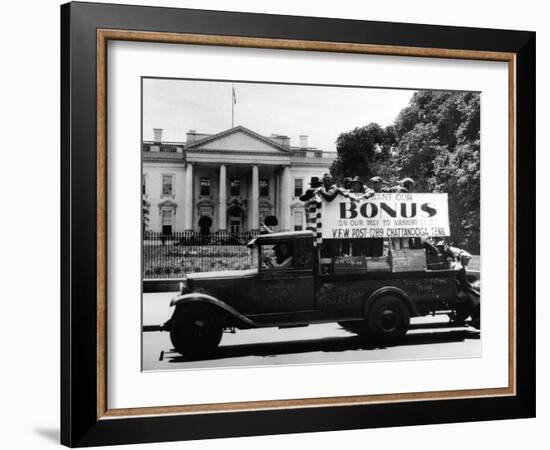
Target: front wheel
[(196, 331), (387, 319)]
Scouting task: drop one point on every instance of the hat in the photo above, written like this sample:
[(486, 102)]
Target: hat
[(376, 180), (314, 181), (327, 175), (356, 179), (347, 180)]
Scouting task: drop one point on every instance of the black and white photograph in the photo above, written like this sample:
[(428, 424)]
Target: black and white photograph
[(305, 224)]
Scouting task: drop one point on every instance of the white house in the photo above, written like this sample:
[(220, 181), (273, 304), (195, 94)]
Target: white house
[(234, 179)]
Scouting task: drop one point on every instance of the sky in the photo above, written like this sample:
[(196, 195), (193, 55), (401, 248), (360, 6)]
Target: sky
[(320, 112)]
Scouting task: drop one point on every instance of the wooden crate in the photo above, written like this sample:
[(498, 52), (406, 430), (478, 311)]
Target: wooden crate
[(378, 264), (346, 264), (408, 260)]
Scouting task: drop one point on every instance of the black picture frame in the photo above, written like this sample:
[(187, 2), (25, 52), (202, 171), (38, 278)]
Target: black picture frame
[(80, 424)]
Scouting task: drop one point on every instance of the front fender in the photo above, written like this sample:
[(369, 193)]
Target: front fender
[(199, 297), (391, 290)]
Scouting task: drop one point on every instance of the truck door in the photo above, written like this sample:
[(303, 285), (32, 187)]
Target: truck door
[(286, 277)]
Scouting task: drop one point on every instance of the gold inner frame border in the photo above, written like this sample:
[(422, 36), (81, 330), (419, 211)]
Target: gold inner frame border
[(104, 35)]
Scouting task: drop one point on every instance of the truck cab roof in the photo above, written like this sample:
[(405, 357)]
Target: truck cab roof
[(273, 238)]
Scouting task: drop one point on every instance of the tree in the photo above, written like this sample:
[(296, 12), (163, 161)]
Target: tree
[(361, 150), (434, 140), (438, 145)]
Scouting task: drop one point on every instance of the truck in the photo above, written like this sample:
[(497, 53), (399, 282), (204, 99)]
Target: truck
[(296, 282)]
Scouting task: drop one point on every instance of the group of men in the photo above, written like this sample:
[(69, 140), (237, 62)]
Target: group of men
[(354, 189)]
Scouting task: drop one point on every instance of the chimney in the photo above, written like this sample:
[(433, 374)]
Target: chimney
[(192, 136), (281, 139), (303, 141), (158, 134)]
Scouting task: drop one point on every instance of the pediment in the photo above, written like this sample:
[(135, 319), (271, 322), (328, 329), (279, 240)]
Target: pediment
[(238, 139)]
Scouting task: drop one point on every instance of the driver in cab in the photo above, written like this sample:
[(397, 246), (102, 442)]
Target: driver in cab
[(283, 256)]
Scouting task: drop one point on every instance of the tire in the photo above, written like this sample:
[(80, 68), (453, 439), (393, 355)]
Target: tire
[(196, 331), (387, 319)]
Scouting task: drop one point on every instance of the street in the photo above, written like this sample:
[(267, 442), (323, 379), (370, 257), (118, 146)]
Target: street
[(428, 338)]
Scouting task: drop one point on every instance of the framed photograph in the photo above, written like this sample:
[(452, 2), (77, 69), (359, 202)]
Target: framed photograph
[(276, 224)]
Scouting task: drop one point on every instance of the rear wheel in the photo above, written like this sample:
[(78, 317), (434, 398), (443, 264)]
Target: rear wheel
[(387, 319), (196, 331)]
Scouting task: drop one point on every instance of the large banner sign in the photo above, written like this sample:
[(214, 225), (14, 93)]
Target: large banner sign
[(386, 216)]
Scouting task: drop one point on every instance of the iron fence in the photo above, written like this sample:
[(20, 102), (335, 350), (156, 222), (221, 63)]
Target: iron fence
[(175, 254)]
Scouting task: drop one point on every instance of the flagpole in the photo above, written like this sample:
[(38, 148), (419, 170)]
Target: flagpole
[(232, 106)]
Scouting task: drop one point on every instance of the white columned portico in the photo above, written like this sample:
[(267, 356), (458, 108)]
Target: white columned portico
[(285, 199), (189, 197), (254, 201), (222, 225)]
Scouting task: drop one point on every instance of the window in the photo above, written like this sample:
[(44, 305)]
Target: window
[(298, 186), (205, 186), (167, 215), (318, 154), (235, 187), (144, 185), (264, 187), (298, 220), (168, 185)]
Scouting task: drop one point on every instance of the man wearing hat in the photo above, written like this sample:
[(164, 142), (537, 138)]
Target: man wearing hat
[(314, 185), (346, 184), (378, 184), (328, 190), (360, 191)]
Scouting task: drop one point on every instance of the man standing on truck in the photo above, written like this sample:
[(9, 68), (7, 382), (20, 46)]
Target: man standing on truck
[(359, 190), (378, 184), (329, 190)]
